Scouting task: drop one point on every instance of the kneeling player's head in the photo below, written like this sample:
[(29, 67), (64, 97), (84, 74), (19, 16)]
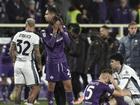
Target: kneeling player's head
[(30, 24), (105, 75), (116, 60)]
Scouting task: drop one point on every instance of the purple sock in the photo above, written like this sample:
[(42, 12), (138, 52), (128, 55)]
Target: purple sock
[(69, 97), (4, 92), (50, 97)]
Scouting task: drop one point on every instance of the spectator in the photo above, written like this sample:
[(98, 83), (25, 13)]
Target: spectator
[(100, 11), (130, 47), (3, 14), (138, 14), (43, 5), (16, 11), (84, 18), (98, 52), (120, 14), (73, 14), (3, 17), (31, 9)]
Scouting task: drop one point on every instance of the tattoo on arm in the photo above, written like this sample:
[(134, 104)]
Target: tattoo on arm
[(37, 56), (13, 51)]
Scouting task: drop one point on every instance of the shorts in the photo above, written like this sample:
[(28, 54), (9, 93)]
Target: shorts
[(57, 72), (25, 72)]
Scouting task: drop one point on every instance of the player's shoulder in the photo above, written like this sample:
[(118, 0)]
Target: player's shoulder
[(35, 35), (127, 70)]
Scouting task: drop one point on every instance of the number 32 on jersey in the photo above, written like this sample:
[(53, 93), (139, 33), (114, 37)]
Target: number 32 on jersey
[(23, 50)]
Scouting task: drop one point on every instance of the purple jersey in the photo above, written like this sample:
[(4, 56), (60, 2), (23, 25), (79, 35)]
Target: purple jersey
[(94, 91), (6, 65), (54, 46)]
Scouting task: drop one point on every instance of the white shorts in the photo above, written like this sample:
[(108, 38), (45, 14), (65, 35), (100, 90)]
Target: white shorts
[(25, 72)]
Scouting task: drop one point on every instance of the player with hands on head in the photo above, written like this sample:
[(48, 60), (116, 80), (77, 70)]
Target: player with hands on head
[(55, 38)]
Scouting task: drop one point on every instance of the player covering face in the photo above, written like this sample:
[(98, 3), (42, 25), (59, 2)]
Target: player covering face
[(24, 51), (55, 37)]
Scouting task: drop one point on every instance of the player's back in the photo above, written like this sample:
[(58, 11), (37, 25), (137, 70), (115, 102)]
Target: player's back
[(25, 42), (94, 91)]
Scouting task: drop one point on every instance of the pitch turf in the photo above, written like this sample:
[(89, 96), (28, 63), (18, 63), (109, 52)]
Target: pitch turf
[(41, 103)]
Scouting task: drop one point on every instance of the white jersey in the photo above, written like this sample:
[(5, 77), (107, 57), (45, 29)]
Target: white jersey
[(128, 79), (25, 42)]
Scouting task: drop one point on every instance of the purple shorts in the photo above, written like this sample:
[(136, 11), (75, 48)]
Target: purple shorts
[(57, 72)]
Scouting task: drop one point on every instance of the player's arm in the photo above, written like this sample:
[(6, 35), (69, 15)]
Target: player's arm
[(37, 57), (13, 51), (49, 42), (120, 92), (65, 36)]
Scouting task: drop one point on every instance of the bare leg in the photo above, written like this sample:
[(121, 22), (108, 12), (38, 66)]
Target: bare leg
[(68, 90), (33, 93), (16, 94)]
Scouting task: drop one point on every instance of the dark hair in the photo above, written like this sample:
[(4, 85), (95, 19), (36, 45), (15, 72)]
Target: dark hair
[(73, 27), (52, 9), (118, 57), (106, 27), (57, 16), (132, 23), (107, 71)]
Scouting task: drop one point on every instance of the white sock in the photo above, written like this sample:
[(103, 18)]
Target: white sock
[(29, 104)]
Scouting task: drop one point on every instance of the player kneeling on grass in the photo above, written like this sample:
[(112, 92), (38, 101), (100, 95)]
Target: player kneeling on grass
[(97, 88), (25, 52)]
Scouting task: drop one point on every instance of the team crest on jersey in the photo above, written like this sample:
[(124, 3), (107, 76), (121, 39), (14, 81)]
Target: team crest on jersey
[(51, 77), (43, 33), (126, 72)]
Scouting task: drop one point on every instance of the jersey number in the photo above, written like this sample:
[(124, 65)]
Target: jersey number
[(89, 90), (21, 50)]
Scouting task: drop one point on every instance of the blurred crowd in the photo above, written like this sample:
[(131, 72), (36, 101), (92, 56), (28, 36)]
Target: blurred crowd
[(72, 11)]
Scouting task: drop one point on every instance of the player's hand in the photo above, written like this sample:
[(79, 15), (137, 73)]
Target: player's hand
[(56, 26), (40, 67), (127, 92)]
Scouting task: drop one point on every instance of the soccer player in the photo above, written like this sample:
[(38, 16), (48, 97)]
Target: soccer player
[(6, 72), (126, 78), (97, 88), (55, 37), (25, 52)]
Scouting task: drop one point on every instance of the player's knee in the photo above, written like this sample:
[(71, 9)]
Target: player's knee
[(68, 87), (51, 86)]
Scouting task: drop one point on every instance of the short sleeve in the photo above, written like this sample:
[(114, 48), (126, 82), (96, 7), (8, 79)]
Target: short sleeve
[(36, 40), (15, 38)]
